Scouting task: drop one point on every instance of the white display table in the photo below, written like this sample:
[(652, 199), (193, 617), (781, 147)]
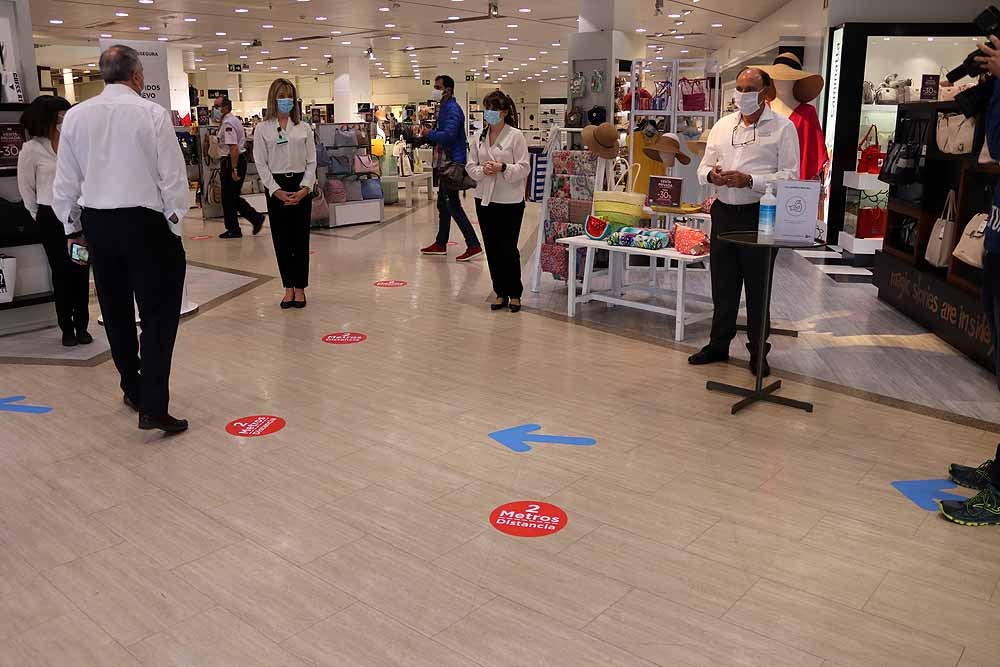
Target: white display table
[(412, 183), (614, 295)]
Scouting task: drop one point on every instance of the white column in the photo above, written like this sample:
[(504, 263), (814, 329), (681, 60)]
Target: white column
[(70, 92), (177, 79), (351, 85)]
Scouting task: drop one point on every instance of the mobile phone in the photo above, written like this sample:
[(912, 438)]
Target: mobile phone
[(79, 253)]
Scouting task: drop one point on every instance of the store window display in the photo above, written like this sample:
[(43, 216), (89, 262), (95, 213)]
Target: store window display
[(791, 96)]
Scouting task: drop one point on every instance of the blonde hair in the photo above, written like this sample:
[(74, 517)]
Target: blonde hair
[(272, 100)]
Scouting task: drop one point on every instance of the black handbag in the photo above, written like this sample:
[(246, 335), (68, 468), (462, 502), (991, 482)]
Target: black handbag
[(17, 227), (575, 118), (452, 176), (904, 161)]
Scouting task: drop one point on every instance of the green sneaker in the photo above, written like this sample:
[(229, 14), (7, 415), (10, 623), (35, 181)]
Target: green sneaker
[(980, 510), (971, 478)]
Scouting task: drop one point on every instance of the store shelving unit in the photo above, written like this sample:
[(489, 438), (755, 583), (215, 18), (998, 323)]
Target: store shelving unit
[(361, 212)]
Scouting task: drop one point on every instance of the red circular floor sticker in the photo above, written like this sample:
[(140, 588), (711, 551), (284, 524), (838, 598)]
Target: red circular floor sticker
[(528, 518), (391, 283), (254, 425), (344, 338), (200, 238)]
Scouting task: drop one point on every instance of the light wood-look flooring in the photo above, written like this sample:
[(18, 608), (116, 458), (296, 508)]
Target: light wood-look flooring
[(358, 535)]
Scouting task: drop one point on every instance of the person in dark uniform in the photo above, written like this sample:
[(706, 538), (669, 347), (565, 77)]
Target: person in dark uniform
[(746, 151), (233, 171)]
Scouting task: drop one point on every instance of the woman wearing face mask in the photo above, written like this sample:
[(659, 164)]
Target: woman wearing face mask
[(498, 162), (36, 170), (285, 152)]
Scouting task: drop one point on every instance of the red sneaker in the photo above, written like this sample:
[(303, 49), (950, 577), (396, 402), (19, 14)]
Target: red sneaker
[(470, 253), (434, 249)]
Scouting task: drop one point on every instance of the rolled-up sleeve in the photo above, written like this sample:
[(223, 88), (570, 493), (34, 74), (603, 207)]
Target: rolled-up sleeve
[(788, 160)]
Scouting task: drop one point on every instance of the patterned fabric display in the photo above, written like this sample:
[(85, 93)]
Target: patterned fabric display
[(569, 229), (559, 210), (549, 229), (579, 210), (555, 259), (579, 163), (690, 241), (649, 242), (581, 187), (561, 188)]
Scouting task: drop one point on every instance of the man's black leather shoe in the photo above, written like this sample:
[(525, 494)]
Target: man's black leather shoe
[(707, 355), (166, 423)]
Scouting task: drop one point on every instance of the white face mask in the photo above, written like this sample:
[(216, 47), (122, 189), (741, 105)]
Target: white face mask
[(748, 103), (437, 94)]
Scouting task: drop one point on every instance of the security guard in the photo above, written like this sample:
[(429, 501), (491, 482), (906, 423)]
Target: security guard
[(232, 174)]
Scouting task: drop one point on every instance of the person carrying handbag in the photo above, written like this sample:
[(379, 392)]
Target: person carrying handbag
[(984, 508), (449, 147)]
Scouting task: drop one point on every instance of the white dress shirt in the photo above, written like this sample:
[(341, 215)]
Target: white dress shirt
[(511, 148), (118, 150), (231, 133), (297, 155), (36, 169), (768, 151)]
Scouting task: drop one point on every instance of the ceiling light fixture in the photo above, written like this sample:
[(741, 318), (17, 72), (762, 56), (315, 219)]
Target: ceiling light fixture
[(673, 15), (106, 35), (243, 57), (449, 32), (454, 18), (384, 9), (220, 34), (221, 50), (345, 43), (511, 25), (320, 18), (145, 2), (640, 30), (142, 27), (241, 10), (202, 69), (259, 62), (190, 19), (390, 25), (512, 39), (716, 25), (267, 26), (395, 37), (162, 39), (121, 14), (524, 10), (56, 21), (286, 39), (265, 52)]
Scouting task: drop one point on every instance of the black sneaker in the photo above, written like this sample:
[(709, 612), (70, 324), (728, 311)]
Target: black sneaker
[(980, 510), (231, 235), (971, 478)]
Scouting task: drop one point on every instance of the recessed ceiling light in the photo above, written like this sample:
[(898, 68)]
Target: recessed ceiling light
[(511, 25), (395, 37), (449, 32), (144, 27), (330, 55), (265, 52), (678, 22), (678, 36), (199, 60), (267, 26), (303, 48), (463, 44), (201, 69), (384, 9), (245, 43), (293, 59), (390, 25), (121, 14), (162, 39), (106, 35), (336, 32), (930, 39), (684, 51), (220, 34), (716, 25), (512, 39), (285, 71), (221, 50), (565, 62), (673, 15), (640, 30), (259, 62), (505, 48), (56, 21), (410, 48), (190, 19), (532, 58), (320, 18), (524, 10), (454, 58), (243, 57), (303, 64), (886, 38), (517, 69), (556, 44), (543, 53), (346, 43), (273, 67), (286, 39), (241, 10), (686, 12)]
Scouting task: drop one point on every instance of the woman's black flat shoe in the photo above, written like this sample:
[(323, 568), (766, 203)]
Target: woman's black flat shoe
[(499, 306), (299, 304), (515, 307), (285, 305)]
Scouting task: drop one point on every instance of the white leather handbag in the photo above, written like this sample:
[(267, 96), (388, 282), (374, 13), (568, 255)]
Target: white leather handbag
[(972, 241), (955, 133)]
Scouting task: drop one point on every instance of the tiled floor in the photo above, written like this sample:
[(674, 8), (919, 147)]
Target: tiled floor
[(358, 535)]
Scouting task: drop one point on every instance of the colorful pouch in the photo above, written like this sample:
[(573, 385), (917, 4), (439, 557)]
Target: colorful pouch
[(555, 259), (549, 229), (559, 210), (579, 210)]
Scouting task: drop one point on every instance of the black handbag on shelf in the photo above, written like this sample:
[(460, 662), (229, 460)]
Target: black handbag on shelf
[(904, 161), (17, 227)]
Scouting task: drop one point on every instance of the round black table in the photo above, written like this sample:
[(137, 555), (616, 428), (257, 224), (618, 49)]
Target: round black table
[(771, 246)]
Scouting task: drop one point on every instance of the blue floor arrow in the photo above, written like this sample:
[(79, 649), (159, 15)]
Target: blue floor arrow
[(924, 492), (8, 404), (518, 437)]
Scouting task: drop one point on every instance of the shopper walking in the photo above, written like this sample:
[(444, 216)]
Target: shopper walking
[(233, 171), (984, 508), (746, 151), (499, 163), (119, 158), (36, 170), (285, 152), (449, 142)]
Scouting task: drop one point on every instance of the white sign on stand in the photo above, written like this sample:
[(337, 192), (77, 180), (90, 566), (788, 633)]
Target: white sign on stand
[(797, 210), (153, 56)]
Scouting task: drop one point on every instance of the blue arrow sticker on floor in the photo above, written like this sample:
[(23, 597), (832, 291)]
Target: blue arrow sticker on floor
[(518, 437), (9, 404), (925, 492)]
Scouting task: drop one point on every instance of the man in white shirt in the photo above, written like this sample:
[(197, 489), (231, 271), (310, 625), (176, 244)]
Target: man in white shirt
[(746, 151), (119, 159), (232, 172)]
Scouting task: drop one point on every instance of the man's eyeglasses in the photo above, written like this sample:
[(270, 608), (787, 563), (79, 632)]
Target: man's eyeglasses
[(752, 140)]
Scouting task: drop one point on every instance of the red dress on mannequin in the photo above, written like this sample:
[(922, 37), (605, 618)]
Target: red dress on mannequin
[(812, 143)]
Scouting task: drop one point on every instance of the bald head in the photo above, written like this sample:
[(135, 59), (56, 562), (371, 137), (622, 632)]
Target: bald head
[(753, 79), (121, 64)]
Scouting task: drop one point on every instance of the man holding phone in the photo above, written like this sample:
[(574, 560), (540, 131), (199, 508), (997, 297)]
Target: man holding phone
[(133, 196), (746, 151)]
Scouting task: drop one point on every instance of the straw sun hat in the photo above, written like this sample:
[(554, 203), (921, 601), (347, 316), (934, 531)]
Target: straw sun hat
[(788, 67)]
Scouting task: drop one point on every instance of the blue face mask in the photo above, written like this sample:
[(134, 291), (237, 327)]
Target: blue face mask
[(285, 105), (492, 116)]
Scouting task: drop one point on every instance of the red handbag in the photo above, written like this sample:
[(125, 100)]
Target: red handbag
[(871, 223), (870, 157)]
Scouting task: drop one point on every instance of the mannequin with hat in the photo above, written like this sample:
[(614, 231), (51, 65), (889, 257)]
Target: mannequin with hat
[(790, 95)]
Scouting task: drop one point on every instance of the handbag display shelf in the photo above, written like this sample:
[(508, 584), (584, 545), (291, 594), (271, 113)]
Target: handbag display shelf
[(351, 160), (917, 271), (210, 188)]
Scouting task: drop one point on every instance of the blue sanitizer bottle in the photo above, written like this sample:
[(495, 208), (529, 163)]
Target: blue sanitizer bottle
[(768, 211)]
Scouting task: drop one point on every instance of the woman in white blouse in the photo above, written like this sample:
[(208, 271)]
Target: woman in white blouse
[(498, 162), (36, 170), (285, 152)]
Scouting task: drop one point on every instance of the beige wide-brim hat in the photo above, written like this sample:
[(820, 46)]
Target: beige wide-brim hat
[(698, 146), (788, 67), (666, 143), (601, 140)]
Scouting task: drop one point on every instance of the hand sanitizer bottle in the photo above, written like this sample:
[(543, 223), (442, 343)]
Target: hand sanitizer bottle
[(768, 211)]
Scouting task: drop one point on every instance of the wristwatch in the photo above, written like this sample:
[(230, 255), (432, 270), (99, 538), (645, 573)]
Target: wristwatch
[(750, 181), (503, 166)]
